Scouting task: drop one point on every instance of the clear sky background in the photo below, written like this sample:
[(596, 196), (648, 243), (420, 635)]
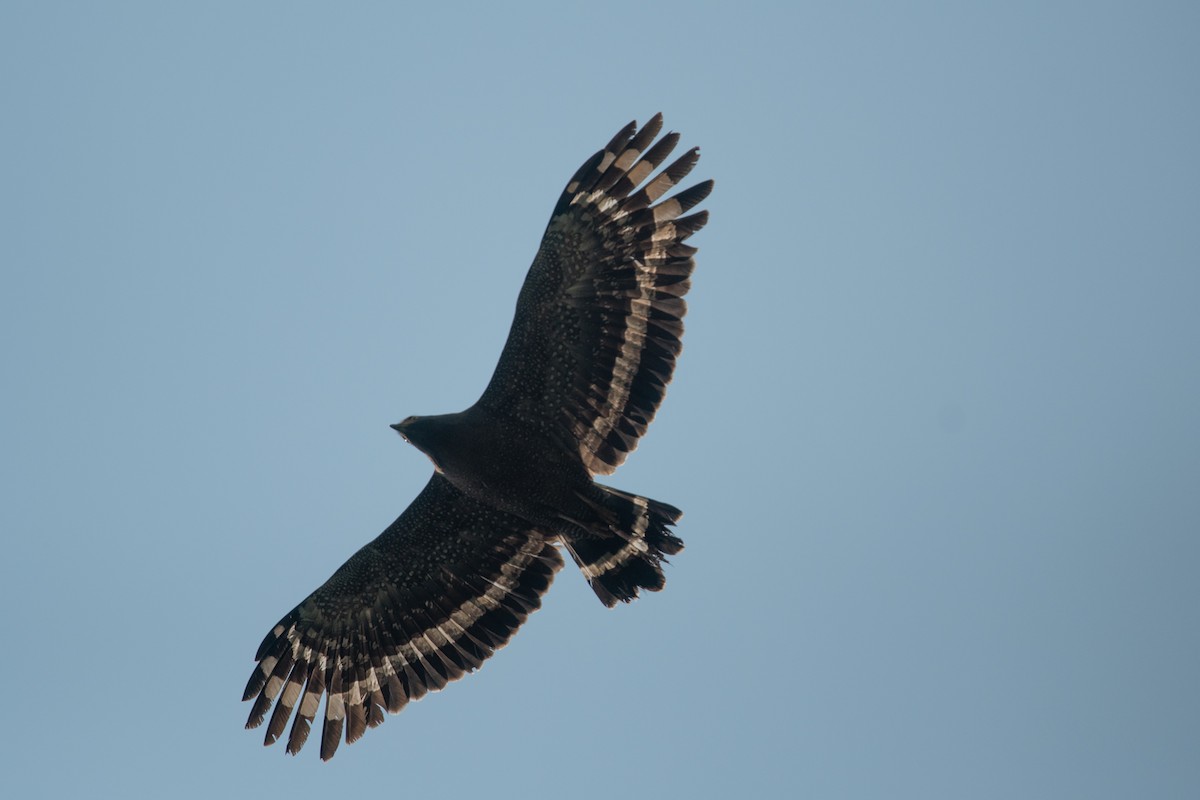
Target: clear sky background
[(936, 428)]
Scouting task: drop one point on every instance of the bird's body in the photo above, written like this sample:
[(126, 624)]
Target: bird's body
[(592, 347), (503, 464)]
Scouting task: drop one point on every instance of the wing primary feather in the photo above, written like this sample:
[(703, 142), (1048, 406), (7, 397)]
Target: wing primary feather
[(331, 730), (628, 155), (286, 702), (307, 710)]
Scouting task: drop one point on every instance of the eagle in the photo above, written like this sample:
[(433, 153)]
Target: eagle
[(592, 347)]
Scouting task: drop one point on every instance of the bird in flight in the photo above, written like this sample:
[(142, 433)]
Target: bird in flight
[(592, 347)]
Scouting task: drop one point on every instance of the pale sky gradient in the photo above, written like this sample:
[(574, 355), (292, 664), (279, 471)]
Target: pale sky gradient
[(936, 427)]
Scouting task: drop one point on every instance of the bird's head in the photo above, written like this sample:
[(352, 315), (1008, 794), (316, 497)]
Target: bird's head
[(420, 432), (404, 428)]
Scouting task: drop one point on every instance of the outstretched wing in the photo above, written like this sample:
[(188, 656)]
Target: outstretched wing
[(444, 587), (599, 319)]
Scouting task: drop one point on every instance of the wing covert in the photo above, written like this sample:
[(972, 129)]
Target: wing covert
[(439, 591), (598, 322)]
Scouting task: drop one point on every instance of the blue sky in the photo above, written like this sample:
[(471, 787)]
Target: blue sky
[(935, 427)]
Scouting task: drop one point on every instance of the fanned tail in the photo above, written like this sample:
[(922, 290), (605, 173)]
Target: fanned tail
[(626, 555)]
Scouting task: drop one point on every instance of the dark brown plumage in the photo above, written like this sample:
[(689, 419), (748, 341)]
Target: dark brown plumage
[(592, 347)]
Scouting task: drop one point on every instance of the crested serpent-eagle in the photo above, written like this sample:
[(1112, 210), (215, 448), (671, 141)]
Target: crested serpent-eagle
[(592, 347)]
